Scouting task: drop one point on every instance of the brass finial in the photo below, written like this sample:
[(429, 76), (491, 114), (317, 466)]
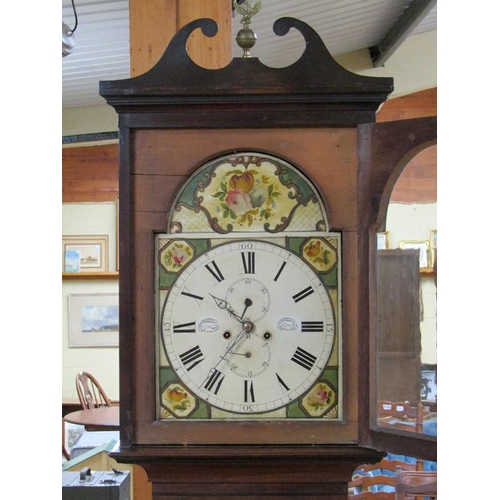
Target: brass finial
[(246, 37)]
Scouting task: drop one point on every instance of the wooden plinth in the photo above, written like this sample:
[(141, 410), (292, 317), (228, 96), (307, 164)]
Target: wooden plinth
[(247, 472)]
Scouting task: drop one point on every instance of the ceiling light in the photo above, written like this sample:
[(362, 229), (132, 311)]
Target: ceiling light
[(68, 35)]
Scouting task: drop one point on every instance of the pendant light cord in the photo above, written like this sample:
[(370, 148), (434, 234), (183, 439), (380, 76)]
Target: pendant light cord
[(76, 17)]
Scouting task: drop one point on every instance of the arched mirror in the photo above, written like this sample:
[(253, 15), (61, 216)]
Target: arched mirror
[(406, 357)]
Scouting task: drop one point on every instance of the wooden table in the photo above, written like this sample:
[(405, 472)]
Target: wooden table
[(96, 419), (69, 405)]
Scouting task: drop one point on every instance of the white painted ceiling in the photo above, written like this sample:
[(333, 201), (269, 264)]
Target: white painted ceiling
[(102, 37)]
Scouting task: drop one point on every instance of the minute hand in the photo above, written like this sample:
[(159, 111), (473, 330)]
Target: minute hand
[(246, 328), (226, 352)]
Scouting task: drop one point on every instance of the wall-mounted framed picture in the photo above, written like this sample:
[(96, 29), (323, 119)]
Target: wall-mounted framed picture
[(428, 390), (93, 320), (433, 245), (93, 252), (421, 246), (117, 239), (383, 240)]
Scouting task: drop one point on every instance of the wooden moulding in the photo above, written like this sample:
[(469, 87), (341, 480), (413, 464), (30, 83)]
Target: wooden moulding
[(314, 91), (111, 275), (249, 471)]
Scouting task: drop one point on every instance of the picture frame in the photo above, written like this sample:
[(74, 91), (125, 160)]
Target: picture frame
[(93, 320), (422, 246), (433, 246), (93, 252), (428, 388), (383, 240), (117, 228)]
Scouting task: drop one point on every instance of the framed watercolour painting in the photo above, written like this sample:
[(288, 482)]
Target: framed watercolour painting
[(92, 251), (434, 244), (428, 391), (383, 240), (117, 239), (421, 246), (93, 320)]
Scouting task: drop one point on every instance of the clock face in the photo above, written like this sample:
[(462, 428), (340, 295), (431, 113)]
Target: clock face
[(248, 326)]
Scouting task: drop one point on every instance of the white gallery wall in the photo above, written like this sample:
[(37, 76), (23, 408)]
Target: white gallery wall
[(89, 219)]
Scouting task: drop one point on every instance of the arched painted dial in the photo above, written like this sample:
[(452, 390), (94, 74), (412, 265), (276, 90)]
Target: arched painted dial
[(248, 326)]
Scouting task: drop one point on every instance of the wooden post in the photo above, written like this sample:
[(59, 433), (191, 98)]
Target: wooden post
[(154, 23)]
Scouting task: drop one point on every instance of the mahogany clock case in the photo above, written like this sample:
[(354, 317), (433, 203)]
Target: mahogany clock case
[(316, 116)]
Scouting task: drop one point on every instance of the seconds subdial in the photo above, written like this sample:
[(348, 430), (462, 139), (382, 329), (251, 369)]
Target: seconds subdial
[(245, 288), (250, 357)]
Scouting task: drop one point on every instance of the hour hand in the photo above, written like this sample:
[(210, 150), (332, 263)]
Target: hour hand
[(222, 304)]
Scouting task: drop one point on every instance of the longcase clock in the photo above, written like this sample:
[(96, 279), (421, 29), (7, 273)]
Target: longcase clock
[(243, 259)]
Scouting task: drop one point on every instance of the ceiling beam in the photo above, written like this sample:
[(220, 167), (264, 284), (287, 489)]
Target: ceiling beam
[(401, 29)]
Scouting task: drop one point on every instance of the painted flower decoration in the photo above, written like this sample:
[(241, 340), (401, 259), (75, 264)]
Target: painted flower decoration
[(179, 398), (247, 196), (320, 397), (313, 249), (238, 201), (258, 195), (243, 182), (177, 255), (176, 394), (316, 254)]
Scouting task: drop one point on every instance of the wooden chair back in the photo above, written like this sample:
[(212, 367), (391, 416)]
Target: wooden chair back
[(403, 416), (411, 485), (90, 392), (403, 411), (368, 479)]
